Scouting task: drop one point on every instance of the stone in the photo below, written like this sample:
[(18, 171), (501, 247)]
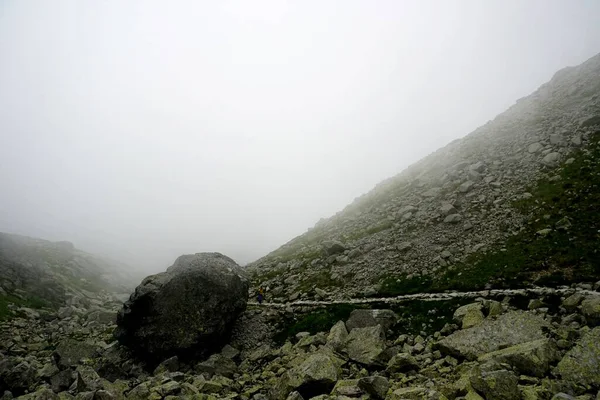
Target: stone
[(337, 336), (169, 365), (535, 147), (62, 380), (230, 352), (87, 379), (580, 366), (219, 365), (469, 315), (71, 352), (551, 159), (333, 247), (472, 318), (363, 318), (404, 246), (531, 358), (496, 385), (573, 301), (453, 218), (16, 376), (590, 307), (316, 375), (189, 310), (375, 386), (408, 393), (402, 362), (348, 388), (466, 186), (366, 345), (446, 209), (494, 334), (102, 316)]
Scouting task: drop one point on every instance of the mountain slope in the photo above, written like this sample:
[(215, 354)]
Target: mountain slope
[(468, 215), (38, 273)]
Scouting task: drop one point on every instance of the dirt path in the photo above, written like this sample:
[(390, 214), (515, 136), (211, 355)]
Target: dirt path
[(541, 291)]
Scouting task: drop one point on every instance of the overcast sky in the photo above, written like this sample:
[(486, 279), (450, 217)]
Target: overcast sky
[(145, 129)]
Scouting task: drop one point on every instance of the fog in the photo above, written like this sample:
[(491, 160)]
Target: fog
[(142, 130)]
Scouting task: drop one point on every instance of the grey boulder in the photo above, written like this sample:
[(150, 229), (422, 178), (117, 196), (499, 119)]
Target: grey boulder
[(189, 310)]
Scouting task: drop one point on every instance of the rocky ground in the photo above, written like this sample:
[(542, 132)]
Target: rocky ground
[(545, 348)]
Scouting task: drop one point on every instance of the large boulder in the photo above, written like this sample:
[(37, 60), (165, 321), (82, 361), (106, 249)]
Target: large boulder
[(508, 330), (531, 358), (316, 375), (367, 346), (364, 318), (188, 310), (580, 367)]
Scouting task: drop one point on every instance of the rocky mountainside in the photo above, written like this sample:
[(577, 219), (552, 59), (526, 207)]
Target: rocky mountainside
[(36, 273), (513, 203)]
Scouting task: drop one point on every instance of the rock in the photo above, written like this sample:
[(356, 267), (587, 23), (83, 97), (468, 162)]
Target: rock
[(402, 362), (71, 352), (102, 316), (453, 218), (348, 388), (87, 379), (507, 330), (472, 313), (169, 365), (219, 365), (534, 304), (188, 310), (40, 394), (446, 209), (408, 393), (496, 385), (363, 318), (530, 358), (230, 352), (466, 186), (592, 121), (366, 345), (590, 307), (551, 159), (62, 380), (295, 396), (337, 336), (16, 376), (404, 246), (579, 367), (316, 375), (333, 247), (572, 302), (376, 386), (535, 147)]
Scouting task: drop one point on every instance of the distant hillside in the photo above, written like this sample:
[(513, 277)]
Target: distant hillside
[(38, 273), (514, 203)]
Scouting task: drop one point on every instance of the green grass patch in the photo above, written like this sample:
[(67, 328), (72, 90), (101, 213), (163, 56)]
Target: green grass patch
[(30, 302), (318, 321), (394, 286)]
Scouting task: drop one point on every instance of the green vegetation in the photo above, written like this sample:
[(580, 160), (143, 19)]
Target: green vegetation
[(392, 286), (30, 302), (559, 256), (425, 316), (318, 321)]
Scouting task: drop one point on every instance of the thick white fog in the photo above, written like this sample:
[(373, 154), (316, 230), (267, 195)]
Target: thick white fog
[(143, 130)]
